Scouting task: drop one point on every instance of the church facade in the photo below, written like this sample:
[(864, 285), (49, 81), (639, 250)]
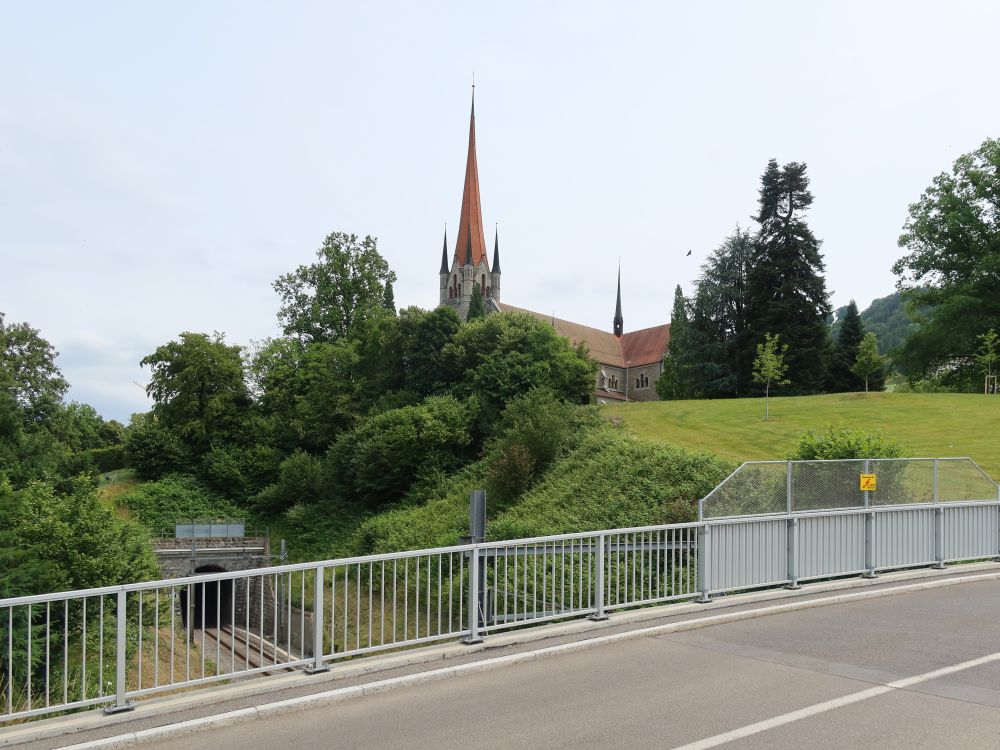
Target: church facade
[(630, 363)]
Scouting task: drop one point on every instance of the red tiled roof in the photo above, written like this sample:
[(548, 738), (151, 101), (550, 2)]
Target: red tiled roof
[(638, 348), (646, 345)]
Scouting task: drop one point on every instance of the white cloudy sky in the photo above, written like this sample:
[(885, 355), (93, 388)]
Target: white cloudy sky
[(162, 163)]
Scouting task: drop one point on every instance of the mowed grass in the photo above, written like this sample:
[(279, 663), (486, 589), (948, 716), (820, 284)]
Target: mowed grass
[(927, 425)]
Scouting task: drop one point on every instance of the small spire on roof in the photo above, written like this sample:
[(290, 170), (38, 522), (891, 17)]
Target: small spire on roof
[(444, 252), (496, 250), (619, 322)]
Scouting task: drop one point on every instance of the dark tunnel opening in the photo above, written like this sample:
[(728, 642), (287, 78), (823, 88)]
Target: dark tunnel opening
[(211, 601)]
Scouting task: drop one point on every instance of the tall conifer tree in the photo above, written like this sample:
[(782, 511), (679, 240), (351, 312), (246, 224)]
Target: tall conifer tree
[(841, 376), (785, 288)]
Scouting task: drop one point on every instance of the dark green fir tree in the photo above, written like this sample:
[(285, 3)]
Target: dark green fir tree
[(786, 291)]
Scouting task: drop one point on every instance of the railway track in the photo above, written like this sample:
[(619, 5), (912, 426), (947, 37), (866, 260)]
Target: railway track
[(244, 651)]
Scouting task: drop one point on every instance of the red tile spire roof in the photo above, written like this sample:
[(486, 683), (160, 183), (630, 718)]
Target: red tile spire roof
[(470, 223)]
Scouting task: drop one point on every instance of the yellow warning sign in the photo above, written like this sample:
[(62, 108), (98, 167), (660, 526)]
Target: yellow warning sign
[(868, 482)]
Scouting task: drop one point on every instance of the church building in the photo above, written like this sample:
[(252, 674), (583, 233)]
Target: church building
[(630, 363)]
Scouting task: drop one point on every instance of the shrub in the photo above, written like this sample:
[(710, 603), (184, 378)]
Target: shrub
[(153, 451), (301, 480), (844, 442), (176, 498), (240, 472)]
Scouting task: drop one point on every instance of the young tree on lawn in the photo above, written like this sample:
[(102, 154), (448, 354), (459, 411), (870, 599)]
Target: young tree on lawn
[(769, 366), (987, 355), (869, 362)]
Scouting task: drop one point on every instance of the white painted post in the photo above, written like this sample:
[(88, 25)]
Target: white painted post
[(121, 704), (792, 551), (704, 549), (599, 613), (474, 566), (318, 664)]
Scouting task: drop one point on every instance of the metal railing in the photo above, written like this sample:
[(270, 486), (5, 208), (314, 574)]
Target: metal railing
[(109, 646), (779, 487)]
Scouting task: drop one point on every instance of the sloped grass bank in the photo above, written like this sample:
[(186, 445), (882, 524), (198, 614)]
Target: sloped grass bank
[(608, 479), (927, 424)]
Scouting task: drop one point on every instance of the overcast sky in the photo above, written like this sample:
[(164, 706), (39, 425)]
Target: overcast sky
[(163, 163)]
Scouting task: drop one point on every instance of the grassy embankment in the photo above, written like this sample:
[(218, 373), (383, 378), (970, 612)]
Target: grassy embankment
[(938, 424)]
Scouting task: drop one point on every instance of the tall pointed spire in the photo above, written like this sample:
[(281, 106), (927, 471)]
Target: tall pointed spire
[(444, 252), (496, 251), (470, 225), (619, 321)]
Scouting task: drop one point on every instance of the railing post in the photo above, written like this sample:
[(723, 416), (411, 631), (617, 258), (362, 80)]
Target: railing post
[(793, 554), (121, 704), (939, 538), (318, 664), (870, 545), (704, 574), (788, 488), (474, 565), (599, 613)]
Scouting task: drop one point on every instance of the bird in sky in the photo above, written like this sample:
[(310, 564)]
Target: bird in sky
[(689, 252)]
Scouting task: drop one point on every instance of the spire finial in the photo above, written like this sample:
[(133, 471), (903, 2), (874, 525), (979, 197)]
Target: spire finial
[(619, 323)]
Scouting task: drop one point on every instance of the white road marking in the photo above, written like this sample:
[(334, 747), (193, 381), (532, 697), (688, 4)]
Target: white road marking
[(830, 705)]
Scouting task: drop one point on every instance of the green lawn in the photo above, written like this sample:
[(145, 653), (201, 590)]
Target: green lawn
[(939, 424)]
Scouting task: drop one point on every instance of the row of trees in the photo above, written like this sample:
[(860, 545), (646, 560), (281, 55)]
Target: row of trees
[(770, 280), (756, 285)]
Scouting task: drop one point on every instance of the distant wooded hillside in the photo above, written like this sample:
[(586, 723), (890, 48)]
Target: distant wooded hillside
[(886, 317)]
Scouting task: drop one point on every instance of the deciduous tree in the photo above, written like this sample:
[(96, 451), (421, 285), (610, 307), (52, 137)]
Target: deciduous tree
[(349, 283), (769, 366), (951, 271)]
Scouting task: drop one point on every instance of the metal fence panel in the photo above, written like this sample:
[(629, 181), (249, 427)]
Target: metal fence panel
[(904, 537), (825, 485), (831, 545), (756, 488), (961, 479), (971, 532), (744, 555)]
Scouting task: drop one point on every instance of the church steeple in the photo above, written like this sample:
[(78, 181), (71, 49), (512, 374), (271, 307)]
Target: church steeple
[(619, 321), (496, 251), (444, 252), (470, 226)]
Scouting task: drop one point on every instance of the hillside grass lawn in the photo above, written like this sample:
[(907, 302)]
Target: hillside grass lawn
[(926, 424)]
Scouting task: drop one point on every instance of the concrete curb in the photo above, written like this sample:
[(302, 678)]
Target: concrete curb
[(339, 695)]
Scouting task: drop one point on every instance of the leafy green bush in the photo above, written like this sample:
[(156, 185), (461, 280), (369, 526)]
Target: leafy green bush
[(925, 385), (176, 498), (154, 451), (240, 472), (375, 463), (844, 442), (530, 432), (301, 480)]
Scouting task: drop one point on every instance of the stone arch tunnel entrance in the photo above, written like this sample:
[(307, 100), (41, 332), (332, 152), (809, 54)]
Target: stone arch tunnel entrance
[(212, 601)]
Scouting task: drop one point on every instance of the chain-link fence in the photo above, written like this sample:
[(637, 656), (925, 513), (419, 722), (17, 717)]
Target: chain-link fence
[(773, 487)]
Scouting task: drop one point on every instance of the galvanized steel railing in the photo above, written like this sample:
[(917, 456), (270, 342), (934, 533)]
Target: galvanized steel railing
[(111, 645)]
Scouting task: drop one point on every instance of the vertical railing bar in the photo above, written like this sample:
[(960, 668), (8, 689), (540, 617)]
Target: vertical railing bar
[(416, 599), (100, 657), (333, 610), (218, 626), (347, 586), (440, 597), (65, 694), (48, 639), (427, 619), (204, 587), (394, 600), (451, 590), (406, 599), (357, 608), (139, 597), (381, 606), (318, 613), (371, 574), (461, 599)]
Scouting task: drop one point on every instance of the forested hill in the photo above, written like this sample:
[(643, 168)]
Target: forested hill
[(885, 317)]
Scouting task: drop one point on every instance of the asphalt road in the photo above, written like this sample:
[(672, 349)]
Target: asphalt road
[(817, 678)]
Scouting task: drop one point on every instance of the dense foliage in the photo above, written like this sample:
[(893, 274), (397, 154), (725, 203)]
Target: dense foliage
[(951, 272)]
